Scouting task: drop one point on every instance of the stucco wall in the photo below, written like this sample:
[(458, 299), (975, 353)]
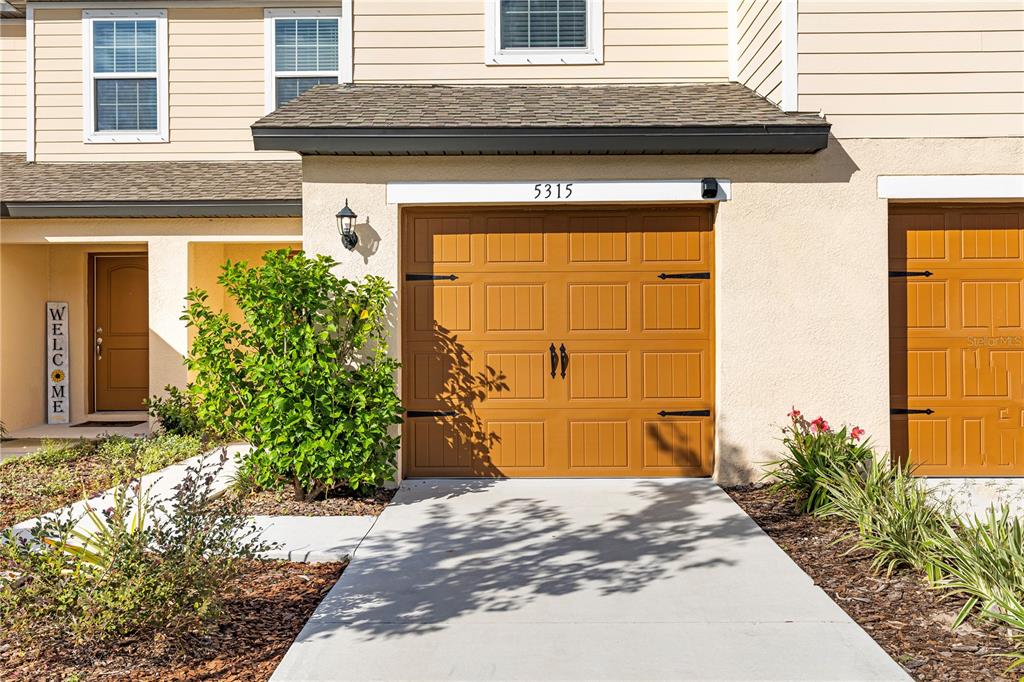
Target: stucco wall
[(23, 294), (801, 249)]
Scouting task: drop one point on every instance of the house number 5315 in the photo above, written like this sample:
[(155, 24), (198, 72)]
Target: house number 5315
[(552, 190)]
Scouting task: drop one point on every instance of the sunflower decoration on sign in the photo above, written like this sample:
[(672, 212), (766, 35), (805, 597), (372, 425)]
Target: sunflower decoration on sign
[(57, 376)]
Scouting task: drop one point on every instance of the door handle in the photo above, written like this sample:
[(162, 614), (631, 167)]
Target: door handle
[(565, 359), (554, 360)]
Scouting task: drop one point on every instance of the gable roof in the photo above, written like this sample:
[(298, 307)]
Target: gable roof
[(151, 188), (411, 119)]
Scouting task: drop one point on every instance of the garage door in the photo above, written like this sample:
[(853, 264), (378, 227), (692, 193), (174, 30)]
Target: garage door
[(557, 343), (957, 304)]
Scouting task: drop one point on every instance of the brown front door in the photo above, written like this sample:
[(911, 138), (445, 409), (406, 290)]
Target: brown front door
[(957, 340), (121, 332), (557, 342)]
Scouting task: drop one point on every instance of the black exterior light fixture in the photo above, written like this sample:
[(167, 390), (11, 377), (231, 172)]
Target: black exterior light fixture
[(347, 227), (709, 188)]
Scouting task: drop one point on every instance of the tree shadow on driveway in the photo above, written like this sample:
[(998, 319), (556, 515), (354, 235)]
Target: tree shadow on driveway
[(519, 550)]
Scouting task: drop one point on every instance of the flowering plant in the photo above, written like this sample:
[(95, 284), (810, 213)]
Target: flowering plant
[(813, 449)]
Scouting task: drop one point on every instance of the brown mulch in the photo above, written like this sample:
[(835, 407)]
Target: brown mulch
[(337, 503), (911, 621), (29, 488), (251, 637)]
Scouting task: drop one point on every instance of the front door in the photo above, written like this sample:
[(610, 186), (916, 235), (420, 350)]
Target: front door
[(559, 342), (120, 332)]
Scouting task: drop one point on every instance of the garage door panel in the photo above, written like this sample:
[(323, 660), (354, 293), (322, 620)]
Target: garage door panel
[(957, 340), (462, 376)]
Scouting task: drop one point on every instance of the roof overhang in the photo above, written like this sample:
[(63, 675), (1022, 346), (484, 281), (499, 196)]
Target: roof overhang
[(271, 208), (726, 139)]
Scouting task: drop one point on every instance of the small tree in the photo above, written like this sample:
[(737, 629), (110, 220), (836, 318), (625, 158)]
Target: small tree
[(305, 378)]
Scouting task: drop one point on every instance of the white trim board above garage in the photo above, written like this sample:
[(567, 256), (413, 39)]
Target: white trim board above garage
[(950, 186), (553, 191)]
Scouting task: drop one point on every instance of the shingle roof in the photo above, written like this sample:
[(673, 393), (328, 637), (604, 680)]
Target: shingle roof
[(530, 106), (149, 181)]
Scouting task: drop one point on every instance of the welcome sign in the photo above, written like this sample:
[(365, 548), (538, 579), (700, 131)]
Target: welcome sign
[(58, 401)]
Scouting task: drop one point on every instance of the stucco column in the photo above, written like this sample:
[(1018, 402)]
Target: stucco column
[(168, 335)]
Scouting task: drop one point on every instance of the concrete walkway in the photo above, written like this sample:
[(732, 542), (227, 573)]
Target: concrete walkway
[(576, 580)]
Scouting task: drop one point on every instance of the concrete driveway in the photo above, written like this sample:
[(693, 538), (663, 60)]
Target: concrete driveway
[(576, 580)]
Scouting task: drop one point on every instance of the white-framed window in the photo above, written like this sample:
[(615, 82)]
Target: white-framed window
[(544, 32), (306, 47), (124, 75)]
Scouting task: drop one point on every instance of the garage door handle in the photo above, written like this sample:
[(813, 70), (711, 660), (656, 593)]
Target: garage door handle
[(911, 273), (685, 275), (565, 359), (554, 360), (903, 410), (413, 277), (429, 413), (685, 413)]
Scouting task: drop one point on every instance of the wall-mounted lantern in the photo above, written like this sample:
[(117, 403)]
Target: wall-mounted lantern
[(347, 227)]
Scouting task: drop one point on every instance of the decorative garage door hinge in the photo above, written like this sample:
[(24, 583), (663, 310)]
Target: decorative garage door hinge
[(429, 413), (903, 410), (911, 273), (685, 413), (412, 277), (685, 275)]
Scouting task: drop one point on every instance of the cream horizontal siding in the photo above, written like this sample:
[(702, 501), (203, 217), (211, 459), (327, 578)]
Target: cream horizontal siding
[(948, 68), (215, 88), (443, 42), (12, 85), (759, 46)]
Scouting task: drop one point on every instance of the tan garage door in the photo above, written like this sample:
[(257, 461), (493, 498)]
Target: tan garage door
[(557, 343), (957, 304)]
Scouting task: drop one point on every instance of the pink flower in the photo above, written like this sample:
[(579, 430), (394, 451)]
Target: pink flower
[(794, 414), (857, 433), (819, 425)]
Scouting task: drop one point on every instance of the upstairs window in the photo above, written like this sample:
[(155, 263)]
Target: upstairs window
[(304, 49), (544, 32), (126, 76)]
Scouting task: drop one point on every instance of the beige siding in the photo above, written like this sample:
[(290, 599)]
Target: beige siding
[(215, 86), (949, 68), (759, 46), (443, 42), (12, 85)]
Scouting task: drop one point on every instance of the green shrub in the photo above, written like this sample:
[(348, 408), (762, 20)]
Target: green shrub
[(131, 457), (813, 450), (894, 516), (306, 379), (56, 452), (178, 413), (142, 569)]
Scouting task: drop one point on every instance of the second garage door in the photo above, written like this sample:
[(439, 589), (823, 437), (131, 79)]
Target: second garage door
[(557, 343), (957, 340)]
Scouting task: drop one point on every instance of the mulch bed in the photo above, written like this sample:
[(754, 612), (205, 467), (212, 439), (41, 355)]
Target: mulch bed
[(337, 503), (28, 488), (907, 618), (255, 630)]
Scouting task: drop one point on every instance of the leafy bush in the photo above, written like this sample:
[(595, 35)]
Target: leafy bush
[(813, 450), (306, 379), (178, 414), (894, 516), (141, 567), (131, 457)]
